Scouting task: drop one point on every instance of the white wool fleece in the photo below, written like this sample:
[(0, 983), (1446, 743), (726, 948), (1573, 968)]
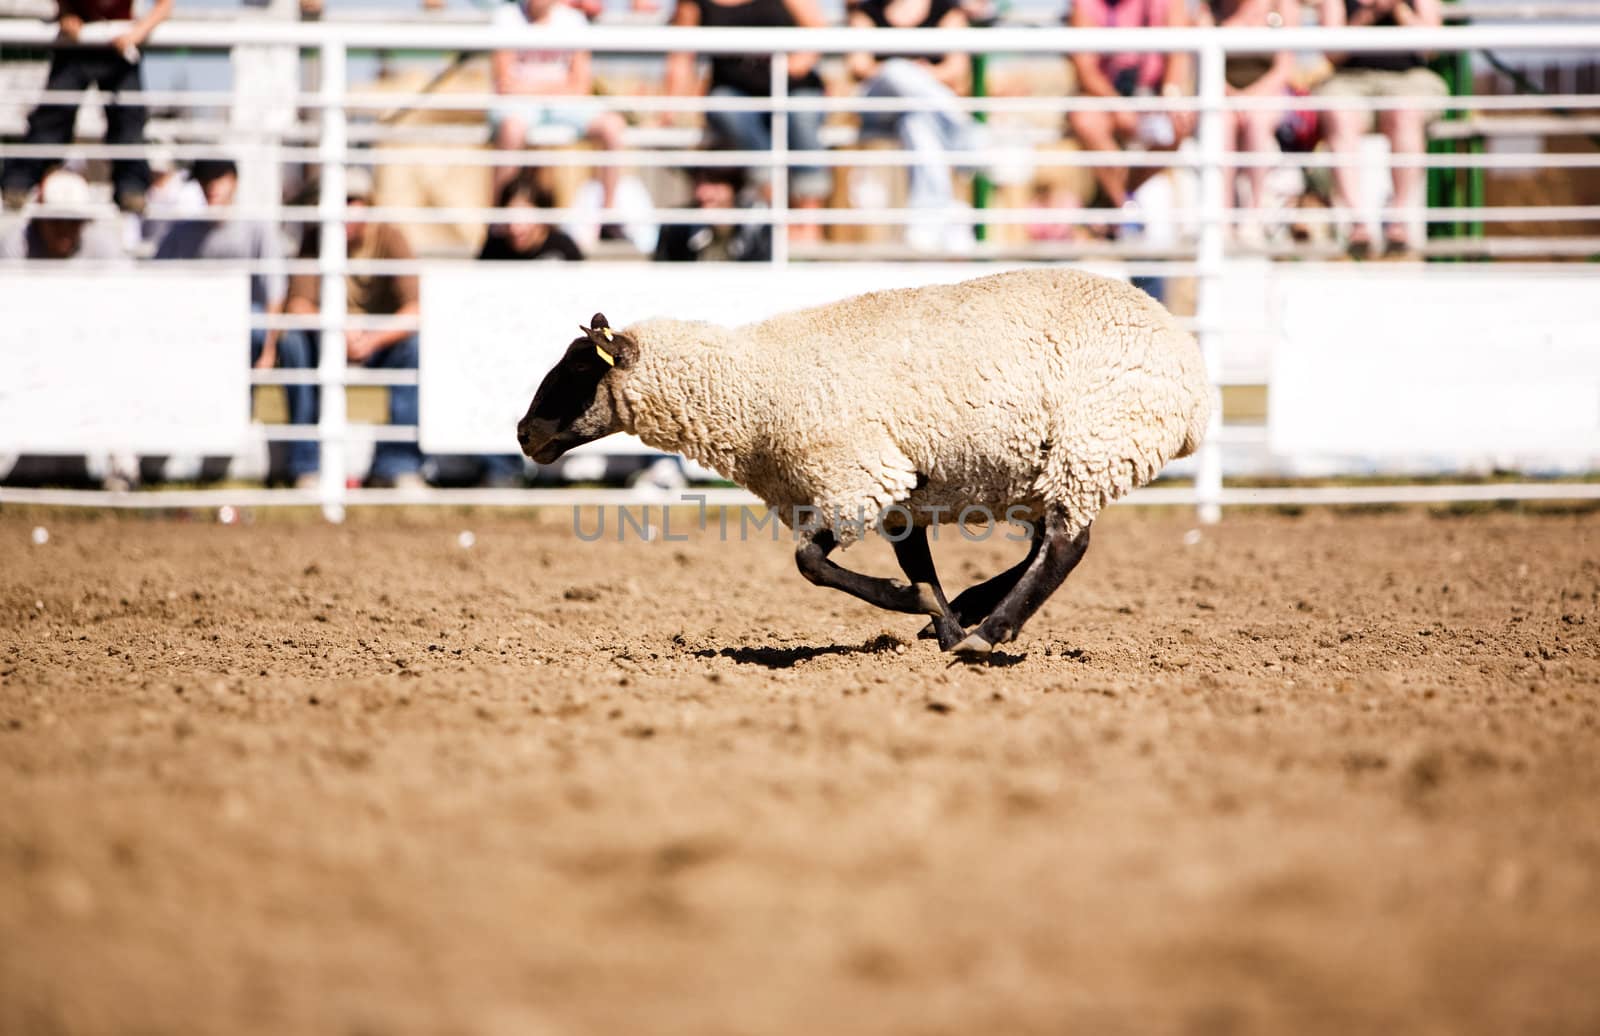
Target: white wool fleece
[(1031, 389)]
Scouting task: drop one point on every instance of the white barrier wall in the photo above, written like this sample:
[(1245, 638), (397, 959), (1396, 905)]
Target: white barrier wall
[(141, 361), (1369, 367), (1456, 364)]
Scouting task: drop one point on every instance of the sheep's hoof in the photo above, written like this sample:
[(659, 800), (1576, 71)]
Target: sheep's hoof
[(927, 600), (974, 647), (928, 632)]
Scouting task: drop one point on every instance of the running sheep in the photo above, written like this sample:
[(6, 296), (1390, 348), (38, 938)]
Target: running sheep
[(1037, 395)]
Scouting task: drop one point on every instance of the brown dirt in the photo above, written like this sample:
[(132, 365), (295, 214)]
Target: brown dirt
[(1333, 773)]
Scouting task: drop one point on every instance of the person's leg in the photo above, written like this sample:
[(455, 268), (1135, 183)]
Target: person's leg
[(808, 184), (1232, 136), (1096, 131), (130, 177), (919, 133), (509, 127), (1259, 136), (956, 128), (392, 460), (258, 336), (1341, 131), (297, 350), (1407, 136), (741, 130), (606, 131), (47, 124)]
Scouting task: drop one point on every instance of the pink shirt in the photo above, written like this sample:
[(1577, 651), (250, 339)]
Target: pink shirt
[(540, 71), (1129, 14)]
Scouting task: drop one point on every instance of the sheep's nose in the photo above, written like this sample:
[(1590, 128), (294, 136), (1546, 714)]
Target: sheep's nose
[(533, 432)]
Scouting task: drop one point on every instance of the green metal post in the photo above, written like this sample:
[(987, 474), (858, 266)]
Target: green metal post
[(980, 179), (1444, 183), (1475, 175)]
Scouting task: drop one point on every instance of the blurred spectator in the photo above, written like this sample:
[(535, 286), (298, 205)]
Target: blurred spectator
[(717, 188), (1129, 75), (1249, 130), (62, 226), (171, 190), (115, 70), (941, 127), (538, 87), (749, 75), (1379, 76), (522, 236), (395, 464), (234, 241)]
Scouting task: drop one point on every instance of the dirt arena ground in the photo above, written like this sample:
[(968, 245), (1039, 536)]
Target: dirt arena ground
[(1326, 773)]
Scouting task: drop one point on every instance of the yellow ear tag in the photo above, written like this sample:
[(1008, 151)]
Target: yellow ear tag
[(611, 361), (607, 332)]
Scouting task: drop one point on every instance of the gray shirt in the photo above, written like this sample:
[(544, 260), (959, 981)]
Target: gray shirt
[(236, 241), (99, 242)]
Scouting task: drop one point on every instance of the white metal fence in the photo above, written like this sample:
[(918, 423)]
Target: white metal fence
[(1203, 253)]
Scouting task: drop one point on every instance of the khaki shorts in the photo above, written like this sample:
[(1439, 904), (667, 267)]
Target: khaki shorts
[(1371, 82)]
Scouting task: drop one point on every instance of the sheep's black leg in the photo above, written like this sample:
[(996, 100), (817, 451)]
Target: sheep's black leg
[(1043, 575), (911, 550), (974, 604), (889, 594)]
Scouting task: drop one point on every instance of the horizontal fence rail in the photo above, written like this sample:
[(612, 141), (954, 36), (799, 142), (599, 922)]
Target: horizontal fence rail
[(324, 130)]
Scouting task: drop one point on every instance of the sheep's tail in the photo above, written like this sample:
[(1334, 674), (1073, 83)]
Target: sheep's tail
[(1194, 429), (1200, 394)]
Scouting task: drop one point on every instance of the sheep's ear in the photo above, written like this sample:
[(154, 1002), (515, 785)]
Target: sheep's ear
[(614, 347)]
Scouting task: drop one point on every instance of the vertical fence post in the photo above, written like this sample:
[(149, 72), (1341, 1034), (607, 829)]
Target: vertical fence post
[(1209, 254), (780, 157), (331, 258)]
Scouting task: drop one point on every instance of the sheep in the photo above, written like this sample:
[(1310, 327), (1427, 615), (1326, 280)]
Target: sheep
[(1038, 395)]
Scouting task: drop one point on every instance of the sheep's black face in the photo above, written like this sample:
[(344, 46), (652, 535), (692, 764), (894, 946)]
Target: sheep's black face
[(572, 406)]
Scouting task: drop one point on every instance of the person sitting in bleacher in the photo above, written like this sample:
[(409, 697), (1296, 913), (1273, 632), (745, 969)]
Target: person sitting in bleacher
[(941, 127), (539, 87), (241, 241), (1379, 76), (522, 236), (115, 70), (64, 225), (1129, 75), (749, 75), (1253, 130), (173, 192), (717, 188), (394, 464)]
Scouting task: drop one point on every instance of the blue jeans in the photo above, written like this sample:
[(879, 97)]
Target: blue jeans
[(929, 134), (752, 131), (300, 350), (76, 68)]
